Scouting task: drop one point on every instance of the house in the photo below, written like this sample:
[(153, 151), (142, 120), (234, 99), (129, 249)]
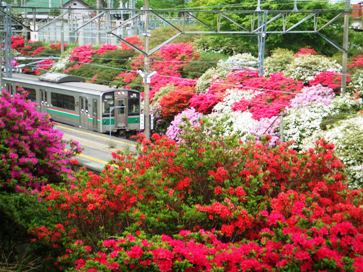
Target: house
[(51, 8), (357, 16)]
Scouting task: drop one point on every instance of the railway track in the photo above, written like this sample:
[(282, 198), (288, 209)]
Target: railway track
[(97, 147)]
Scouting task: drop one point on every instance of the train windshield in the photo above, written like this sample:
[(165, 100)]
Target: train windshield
[(108, 102), (134, 103)]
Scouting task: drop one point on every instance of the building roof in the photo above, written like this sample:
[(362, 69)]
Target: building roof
[(357, 11), (49, 3), (45, 3)]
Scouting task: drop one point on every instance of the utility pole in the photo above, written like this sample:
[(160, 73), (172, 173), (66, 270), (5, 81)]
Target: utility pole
[(62, 29), (7, 42), (345, 46), (295, 6), (261, 38), (147, 77), (109, 18), (98, 35)]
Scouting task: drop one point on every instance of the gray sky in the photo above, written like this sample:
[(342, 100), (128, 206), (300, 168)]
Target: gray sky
[(351, 1)]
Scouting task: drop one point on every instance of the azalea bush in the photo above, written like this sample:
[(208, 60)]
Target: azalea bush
[(168, 63), (196, 68), (32, 151), (278, 61), (102, 65), (243, 61), (43, 66), (332, 80), (306, 67), (347, 136), (356, 62), (239, 61), (251, 104), (305, 51), (183, 120), (17, 42), (217, 90), (209, 203), (208, 77), (306, 113), (357, 82), (35, 49), (175, 101)]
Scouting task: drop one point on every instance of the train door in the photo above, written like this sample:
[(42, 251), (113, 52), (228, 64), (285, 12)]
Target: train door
[(95, 114), (120, 113), (43, 101), (83, 112)]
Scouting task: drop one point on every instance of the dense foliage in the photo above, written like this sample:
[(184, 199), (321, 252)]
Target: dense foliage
[(233, 44)]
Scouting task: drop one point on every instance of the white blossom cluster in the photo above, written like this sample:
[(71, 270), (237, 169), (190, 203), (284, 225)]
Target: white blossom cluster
[(347, 137), (61, 64), (243, 124), (300, 123), (211, 75), (233, 96), (278, 61), (345, 103), (357, 81), (239, 62), (305, 67)]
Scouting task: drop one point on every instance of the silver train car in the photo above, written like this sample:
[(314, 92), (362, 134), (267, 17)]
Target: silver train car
[(89, 106)]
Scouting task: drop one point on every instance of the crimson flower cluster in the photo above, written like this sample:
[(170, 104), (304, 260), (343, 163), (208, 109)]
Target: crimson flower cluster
[(328, 79), (272, 94), (305, 51), (357, 62), (211, 203)]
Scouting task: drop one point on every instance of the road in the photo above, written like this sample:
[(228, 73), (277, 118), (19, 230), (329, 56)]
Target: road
[(97, 147)]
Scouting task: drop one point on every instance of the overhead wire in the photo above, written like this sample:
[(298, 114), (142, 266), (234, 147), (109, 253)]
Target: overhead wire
[(240, 86)]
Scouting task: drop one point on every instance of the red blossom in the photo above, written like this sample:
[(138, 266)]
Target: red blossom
[(305, 51)]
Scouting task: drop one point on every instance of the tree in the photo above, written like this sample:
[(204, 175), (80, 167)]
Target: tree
[(163, 4), (233, 44)]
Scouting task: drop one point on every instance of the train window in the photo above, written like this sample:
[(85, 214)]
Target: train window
[(32, 94), (44, 95), (63, 101), (134, 103), (9, 88), (108, 102), (121, 105)]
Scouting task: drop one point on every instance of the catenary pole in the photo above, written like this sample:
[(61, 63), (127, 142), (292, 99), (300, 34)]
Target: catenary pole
[(147, 71), (62, 30), (98, 35), (345, 46)]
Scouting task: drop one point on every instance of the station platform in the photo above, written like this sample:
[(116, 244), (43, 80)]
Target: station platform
[(97, 147)]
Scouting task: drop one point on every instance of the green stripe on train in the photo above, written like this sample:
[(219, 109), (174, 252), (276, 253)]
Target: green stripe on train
[(106, 121), (67, 114), (133, 120), (63, 113)]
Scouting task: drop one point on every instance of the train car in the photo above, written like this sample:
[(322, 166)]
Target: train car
[(90, 106)]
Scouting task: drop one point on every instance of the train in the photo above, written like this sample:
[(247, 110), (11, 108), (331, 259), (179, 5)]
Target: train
[(70, 100)]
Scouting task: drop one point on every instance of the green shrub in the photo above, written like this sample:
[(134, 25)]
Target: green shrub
[(19, 212), (160, 35), (279, 60), (95, 73), (195, 69), (115, 58)]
